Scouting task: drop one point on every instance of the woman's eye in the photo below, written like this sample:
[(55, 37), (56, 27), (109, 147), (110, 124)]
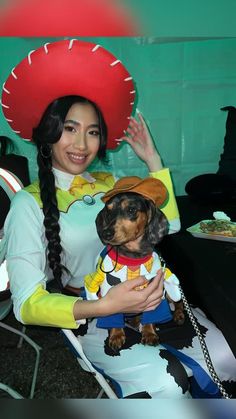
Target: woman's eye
[(95, 133), (69, 128)]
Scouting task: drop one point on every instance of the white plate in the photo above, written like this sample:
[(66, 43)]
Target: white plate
[(197, 232)]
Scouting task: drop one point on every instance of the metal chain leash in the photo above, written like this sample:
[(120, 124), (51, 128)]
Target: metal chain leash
[(205, 351), (201, 339)]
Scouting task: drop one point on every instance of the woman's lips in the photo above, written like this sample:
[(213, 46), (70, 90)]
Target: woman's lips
[(77, 158)]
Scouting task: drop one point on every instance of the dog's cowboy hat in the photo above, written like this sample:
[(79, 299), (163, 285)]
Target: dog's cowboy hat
[(64, 68), (149, 187)]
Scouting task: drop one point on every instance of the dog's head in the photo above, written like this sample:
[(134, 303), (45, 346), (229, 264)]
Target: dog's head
[(131, 221)]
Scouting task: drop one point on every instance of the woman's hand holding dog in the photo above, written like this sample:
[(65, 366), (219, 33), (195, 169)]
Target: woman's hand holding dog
[(141, 142), (124, 298)]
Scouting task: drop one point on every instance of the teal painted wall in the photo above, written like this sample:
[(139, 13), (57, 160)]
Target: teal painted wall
[(182, 86)]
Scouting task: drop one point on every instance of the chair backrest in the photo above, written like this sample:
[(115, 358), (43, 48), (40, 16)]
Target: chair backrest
[(10, 183)]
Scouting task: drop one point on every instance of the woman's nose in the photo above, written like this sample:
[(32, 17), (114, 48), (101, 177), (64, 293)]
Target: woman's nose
[(80, 141)]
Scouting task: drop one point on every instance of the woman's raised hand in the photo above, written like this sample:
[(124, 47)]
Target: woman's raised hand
[(139, 138)]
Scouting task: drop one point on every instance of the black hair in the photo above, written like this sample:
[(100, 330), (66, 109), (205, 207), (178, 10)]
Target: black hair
[(49, 132)]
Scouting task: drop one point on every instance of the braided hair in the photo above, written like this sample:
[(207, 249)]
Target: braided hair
[(49, 132)]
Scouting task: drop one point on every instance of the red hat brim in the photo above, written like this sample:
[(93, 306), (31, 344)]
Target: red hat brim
[(63, 68)]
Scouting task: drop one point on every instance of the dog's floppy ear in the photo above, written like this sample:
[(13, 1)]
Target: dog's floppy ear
[(158, 225)]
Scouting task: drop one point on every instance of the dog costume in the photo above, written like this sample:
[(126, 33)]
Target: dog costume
[(113, 268)]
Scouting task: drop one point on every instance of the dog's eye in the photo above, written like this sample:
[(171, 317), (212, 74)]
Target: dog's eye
[(131, 210)]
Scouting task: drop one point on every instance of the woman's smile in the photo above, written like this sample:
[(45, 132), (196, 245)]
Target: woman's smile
[(80, 140), (76, 158)]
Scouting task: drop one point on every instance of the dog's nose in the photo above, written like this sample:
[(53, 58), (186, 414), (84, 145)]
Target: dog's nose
[(107, 234)]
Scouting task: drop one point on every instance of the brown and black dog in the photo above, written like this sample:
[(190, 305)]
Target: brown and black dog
[(131, 224)]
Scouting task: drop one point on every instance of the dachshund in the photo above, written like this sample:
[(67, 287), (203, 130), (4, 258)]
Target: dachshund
[(131, 225)]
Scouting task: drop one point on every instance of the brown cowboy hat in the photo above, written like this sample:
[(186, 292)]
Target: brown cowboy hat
[(149, 187)]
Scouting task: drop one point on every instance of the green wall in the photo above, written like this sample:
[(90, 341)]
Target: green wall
[(182, 85)]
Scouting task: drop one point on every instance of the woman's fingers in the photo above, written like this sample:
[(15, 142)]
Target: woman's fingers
[(152, 294), (155, 286), (124, 298), (136, 131)]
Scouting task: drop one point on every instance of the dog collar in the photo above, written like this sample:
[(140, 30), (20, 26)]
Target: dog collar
[(125, 260)]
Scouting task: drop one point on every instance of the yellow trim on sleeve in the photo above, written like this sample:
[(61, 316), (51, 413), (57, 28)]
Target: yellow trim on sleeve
[(168, 273), (170, 209), (45, 309), (93, 281)]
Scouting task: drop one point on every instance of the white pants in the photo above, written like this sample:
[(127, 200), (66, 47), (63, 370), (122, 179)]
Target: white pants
[(153, 371)]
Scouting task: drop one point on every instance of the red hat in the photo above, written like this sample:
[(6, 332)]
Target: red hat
[(64, 68)]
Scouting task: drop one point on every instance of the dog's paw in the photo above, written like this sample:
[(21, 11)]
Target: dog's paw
[(149, 335), (151, 339), (116, 340), (179, 317)]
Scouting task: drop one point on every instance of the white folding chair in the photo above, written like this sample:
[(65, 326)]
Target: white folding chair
[(87, 366), (5, 308)]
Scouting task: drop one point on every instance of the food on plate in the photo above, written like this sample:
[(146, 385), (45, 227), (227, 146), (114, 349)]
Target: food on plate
[(219, 227)]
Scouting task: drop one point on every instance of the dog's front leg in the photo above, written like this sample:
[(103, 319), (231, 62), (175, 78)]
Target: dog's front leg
[(116, 338), (179, 316), (149, 335)]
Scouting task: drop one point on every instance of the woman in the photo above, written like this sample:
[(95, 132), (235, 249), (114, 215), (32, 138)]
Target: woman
[(50, 230)]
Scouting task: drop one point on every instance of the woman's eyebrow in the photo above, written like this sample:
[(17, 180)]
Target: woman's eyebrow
[(72, 121)]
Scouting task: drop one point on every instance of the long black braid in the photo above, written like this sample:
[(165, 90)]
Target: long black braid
[(48, 132)]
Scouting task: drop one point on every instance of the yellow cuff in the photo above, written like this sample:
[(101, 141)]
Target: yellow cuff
[(90, 284), (168, 273), (45, 309), (170, 208)]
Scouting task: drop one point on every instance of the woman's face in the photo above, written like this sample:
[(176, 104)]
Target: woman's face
[(79, 143)]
